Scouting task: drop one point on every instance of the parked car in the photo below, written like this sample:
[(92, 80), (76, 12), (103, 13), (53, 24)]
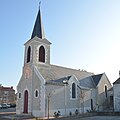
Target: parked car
[(4, 106), (8, 105), (12, 105)]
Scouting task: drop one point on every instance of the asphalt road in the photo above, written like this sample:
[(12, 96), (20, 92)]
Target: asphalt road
[(7, 110), (101, 118), (5, 113), (10, 114)]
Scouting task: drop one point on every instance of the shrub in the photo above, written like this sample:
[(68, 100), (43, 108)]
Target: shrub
[(56, 114)]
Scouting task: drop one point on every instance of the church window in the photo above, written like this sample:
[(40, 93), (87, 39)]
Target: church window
[(91, 104), (19, 95), (105, 91), (36, 93), (41, 54), (73, 90), (28, 54)]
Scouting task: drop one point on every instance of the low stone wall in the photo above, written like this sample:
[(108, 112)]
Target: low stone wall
[(75, 116)]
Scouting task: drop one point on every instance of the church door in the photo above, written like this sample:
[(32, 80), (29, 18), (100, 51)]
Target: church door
[(25, 101)]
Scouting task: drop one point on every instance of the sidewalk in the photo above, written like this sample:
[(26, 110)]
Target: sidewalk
[(16, 117)]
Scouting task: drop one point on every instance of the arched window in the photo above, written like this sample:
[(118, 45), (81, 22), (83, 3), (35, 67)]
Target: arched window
[(28, 54), (25, 102), (106, 91), (73, 90), (36, 93), (41, 54)]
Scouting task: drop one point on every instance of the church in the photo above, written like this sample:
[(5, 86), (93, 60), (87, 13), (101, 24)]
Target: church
[(45, 88)]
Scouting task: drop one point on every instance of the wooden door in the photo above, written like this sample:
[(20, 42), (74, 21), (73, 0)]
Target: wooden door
[(25, 101)]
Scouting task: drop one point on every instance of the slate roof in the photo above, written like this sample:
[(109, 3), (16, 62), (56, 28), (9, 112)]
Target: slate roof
[(38, 28), (53, 72), (59, 81), (62, 79), (91, 81), (117, 81), (111, 89), (57, 74), (87, 82), (96, 78)]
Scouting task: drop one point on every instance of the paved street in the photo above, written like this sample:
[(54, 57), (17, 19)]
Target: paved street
[(85, 118), (101, 118), (7, 110), (8, 114)]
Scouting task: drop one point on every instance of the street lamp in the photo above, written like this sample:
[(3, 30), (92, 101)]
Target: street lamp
[(65, 83)]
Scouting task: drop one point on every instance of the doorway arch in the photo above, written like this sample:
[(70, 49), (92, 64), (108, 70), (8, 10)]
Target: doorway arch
[(25, 102)]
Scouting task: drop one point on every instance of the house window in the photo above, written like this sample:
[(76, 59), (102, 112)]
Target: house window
[(73, 90), (36, 93), (105, 91), (28, 54), (41, 54), (5, 93)]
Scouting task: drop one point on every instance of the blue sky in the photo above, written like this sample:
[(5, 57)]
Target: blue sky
[(85, 34)]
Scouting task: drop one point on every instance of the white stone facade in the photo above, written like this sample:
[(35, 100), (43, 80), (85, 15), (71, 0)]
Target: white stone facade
[(116, 92), (42, 81)]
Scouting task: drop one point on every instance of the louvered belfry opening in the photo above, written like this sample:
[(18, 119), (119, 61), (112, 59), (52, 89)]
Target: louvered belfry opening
[(28, 54), (41, 54)]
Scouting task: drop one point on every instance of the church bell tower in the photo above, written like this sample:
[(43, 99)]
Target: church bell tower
[(37, 49)]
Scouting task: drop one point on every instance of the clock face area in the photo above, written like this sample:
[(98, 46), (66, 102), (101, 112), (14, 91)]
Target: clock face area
[(27, 72)]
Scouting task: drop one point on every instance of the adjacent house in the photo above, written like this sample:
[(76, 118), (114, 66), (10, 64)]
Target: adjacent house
[(7, 95), (116, 94)]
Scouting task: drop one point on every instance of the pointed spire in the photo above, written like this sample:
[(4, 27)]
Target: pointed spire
[(38, 28), (39, 4)]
